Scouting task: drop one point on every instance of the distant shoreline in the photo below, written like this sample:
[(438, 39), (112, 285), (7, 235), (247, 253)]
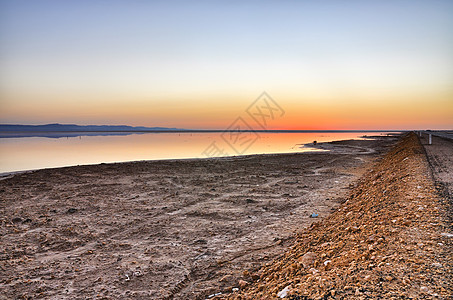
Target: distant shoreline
[(76, 133), (199, 131)]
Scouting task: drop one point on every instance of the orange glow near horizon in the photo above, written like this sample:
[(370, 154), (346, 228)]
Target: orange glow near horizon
[(305, 114)]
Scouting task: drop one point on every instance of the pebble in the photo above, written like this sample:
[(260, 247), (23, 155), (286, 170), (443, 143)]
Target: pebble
[(313, 271), (423, 289), (437, 265), (308, 259), (226, 278), (283, 293), (213, 295), (71, 210), (243, 283), (327, 265), (16, 220)]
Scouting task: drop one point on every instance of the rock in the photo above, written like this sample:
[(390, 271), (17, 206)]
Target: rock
[(308, 259), (16, 220), (423, 289), (213, 295), (437, 265), (200, 241), (226, 278), (283, 293), (446, 234), (327, 265), (243, 283), (138, 274), (371, 239), (71, 210), (255, 276), (292, 182)]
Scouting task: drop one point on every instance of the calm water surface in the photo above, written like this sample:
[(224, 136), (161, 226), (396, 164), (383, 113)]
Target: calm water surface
[(17, 154)]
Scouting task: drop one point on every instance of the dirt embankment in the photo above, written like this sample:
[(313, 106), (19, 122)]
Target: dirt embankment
[(391, 240), (181, 229)]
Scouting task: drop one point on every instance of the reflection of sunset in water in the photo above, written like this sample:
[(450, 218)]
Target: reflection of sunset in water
[(34, 153)]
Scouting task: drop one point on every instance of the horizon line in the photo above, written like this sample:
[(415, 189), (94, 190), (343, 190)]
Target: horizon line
[(152, 129)]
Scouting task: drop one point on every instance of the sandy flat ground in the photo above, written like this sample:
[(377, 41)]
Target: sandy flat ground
[(180, 229)]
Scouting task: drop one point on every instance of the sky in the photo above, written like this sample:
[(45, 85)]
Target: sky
[(202, 64)]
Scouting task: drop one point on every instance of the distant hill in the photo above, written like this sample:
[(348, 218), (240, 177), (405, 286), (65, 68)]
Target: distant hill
[(79, 128)]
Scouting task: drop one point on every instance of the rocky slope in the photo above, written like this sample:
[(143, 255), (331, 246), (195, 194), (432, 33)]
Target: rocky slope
[(392, 239)]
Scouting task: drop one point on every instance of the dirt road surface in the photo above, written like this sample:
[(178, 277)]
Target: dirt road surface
[(440, 158)]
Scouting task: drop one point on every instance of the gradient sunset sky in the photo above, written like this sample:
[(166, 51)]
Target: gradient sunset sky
[(200, 64)]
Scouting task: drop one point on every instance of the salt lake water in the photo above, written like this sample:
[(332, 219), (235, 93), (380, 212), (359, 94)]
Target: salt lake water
[(28, 153)]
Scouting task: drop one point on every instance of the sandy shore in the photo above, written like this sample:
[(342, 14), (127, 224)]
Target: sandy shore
[(165, 229)]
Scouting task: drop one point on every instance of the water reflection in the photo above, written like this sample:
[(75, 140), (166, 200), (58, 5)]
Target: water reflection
[(27, 153)]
